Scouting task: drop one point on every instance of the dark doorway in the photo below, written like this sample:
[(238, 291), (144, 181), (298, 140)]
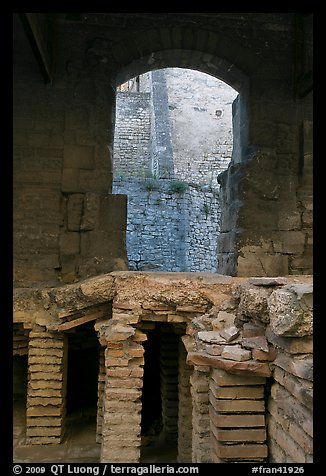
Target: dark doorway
[(151, 423), (83, 366), (159, 427)]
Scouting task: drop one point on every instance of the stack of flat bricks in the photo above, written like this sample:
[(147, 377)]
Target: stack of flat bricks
[(121, 429), (237, 415), (201, 435), (46, 392)]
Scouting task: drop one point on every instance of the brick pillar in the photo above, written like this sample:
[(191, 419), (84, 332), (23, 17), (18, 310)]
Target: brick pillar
[(46, 392), (100, 394), (201, 434), (237, 413), (169, 384), (121, 428), (185, 408)]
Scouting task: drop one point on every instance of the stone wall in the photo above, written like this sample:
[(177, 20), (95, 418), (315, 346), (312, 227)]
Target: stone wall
[(62, 173), (67, 127), (132, 146), (171, 225), (201, 125)]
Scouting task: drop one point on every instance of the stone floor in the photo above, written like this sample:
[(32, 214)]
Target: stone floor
[(79, 445)]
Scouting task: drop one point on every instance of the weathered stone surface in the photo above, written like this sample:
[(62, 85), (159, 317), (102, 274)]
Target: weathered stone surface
[(100, 288), (268, 281), (283, 401), (240, 392), (249, 367), (224, 379), (230, 333), (239, 434), (171, 289), (264, 356), (302, 390), (235, 352), (253, 302), (212, 337), (118, 332), (299, 367), (224, 319), (233, 420), (250, 329), (238, 406), (242, 452), (292, 345), (257, 342), (290, 310), (214, 349)]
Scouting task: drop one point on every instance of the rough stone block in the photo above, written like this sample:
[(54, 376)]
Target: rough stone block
[(292, 345), (230, 333), (263, 356), (290, 310), (70, 179), (299, 367), (74, 211), (253, 302), (223, 320), (78, 157), (234, 352), (290, 242)]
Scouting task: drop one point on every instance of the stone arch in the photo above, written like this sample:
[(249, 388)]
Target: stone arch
[(204, 51), (201, 50)]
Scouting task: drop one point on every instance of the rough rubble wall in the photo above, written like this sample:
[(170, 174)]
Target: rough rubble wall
[(169, 230)]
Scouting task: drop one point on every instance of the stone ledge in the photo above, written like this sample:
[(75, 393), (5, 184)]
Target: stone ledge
[(249, 367)]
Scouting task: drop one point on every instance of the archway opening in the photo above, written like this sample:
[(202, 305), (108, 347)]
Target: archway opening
[(82, 385), (173, 137), (160, 395)]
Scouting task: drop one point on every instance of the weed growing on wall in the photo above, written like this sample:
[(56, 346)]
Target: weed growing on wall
[(177, 186)]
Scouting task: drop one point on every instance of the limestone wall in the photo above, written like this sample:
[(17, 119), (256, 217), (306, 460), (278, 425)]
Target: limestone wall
[(132, 147), (170, 228)]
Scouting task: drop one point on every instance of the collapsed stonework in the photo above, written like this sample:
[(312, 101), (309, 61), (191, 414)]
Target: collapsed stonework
[(235, 363)]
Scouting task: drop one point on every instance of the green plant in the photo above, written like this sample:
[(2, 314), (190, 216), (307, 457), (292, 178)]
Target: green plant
[(177, 186), (151, 184)]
